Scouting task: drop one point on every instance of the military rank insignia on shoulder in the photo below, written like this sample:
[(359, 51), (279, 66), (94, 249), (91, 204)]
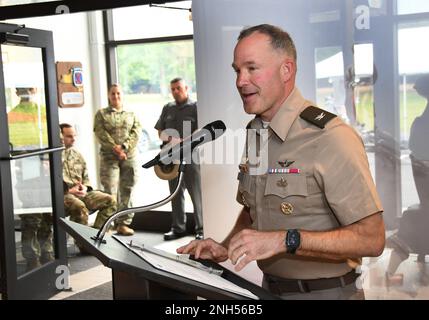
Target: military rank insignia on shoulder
[(317, 116)]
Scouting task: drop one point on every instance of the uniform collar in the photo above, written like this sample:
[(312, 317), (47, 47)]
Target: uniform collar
[(188, 101), (69, 149), (111, 109), (288, 112)]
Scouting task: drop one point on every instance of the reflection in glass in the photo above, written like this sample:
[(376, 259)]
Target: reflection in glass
[(412, 56), (332, 84), (330, 81), (411, 237), (363, 81), (412, 6), (411, 242), (25, 97), (31, 178), (412, 62), (31, 183)]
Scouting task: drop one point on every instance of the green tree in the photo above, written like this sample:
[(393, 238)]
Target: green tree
[(155, 64)]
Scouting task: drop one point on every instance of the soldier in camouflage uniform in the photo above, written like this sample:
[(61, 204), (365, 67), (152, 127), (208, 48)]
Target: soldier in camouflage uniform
[(36, 239), (36, 228), (118, 132), (80, 198)]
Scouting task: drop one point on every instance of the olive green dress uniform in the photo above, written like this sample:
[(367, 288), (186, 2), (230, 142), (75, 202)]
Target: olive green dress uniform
[(75, 171), (111, 128), (330, 185)]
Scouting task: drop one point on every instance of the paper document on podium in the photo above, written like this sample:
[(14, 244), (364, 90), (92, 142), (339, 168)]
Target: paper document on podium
[(193, 273), (162, 260)]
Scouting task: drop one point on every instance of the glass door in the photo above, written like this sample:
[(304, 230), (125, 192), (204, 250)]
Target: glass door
[(31, 193)]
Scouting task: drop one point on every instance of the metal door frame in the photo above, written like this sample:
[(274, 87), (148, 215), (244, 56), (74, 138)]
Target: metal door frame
[(38, 283)]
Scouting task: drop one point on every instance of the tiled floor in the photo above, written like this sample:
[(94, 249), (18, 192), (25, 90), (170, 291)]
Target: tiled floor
[(409, 281)]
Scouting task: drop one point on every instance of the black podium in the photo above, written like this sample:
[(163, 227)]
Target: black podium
[(134, 278)]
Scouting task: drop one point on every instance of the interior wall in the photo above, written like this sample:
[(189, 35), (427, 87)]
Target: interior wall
[(217, 24), (79, 37)]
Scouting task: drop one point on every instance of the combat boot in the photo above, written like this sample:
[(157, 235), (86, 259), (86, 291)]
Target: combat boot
[(124, 230), (47, 257), (82, 250), (33, 264)]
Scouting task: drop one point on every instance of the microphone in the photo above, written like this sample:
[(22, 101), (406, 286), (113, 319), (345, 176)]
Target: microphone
[(208, 133)]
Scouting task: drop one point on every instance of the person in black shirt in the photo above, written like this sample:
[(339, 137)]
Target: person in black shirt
[(177, 121)]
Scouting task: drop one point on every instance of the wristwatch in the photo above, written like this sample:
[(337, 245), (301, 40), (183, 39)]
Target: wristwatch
[(292, 241)]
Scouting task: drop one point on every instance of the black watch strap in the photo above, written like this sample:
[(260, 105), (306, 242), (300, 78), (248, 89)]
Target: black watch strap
[(292, 241)]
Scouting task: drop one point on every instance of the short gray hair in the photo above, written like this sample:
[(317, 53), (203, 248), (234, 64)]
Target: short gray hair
[(280, 39)]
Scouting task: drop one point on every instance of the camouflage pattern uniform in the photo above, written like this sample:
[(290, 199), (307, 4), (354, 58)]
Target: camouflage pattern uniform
[(111, 128), (36, 228), (36, 239), (75, 171)]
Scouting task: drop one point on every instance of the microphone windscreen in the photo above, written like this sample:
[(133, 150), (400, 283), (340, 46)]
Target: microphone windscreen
[(209, 132), (215, 125), (216, 128)]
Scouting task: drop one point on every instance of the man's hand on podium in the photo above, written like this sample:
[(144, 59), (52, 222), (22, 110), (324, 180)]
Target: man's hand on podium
[(205, 249)]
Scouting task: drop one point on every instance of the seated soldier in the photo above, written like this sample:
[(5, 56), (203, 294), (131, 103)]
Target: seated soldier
[(79, 197)]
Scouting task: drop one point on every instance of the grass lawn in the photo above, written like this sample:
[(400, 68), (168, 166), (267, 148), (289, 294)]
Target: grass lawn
[(415, 105)]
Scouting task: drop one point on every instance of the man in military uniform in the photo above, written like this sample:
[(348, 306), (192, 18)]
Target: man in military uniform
[(80, 198), (118, 132), (36, 228), (313, 211), (175, 119), (36, 239)]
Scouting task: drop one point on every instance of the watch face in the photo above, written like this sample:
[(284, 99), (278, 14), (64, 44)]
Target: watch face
[(292, 240)]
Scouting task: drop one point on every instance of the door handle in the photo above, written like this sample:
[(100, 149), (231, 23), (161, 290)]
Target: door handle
[(33, 153)]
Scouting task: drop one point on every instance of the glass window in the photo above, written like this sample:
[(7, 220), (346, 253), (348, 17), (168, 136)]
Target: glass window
[(412, 6), (31, 176), (330, 80), (152, 22), (412, 56), (25, 97), (335, 89), (363, 92), (32, 206), (145, 78), (413, 84)]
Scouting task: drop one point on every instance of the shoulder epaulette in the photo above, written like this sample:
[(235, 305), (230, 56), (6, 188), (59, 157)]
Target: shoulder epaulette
[(317, 116)]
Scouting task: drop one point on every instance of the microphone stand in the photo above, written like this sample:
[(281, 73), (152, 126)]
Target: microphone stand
[(100, 235)]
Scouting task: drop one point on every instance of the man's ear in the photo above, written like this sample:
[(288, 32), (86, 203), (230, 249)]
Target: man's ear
[(288, 69)]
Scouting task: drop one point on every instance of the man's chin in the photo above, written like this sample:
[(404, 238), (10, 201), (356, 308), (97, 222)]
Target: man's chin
[(250, 109)]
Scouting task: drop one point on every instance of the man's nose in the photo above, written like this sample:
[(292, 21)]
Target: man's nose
[(242, 79)]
